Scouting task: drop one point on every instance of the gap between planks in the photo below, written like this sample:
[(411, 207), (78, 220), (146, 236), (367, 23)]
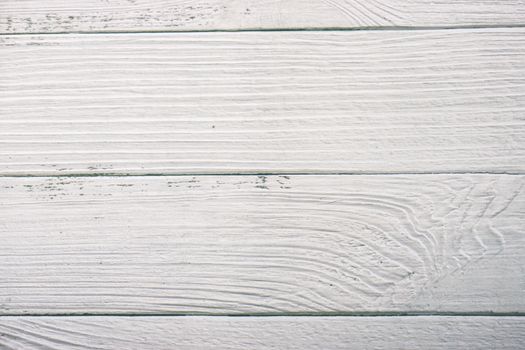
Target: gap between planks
[(414, 173), (291, 29), (271, 315)]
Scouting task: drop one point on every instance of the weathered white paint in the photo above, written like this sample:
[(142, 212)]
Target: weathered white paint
[(230, 244), (258, 333), (138, 15), (294, 102), (354, 102)]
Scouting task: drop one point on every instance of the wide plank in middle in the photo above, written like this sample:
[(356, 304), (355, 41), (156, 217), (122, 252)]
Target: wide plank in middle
[(273, 102)]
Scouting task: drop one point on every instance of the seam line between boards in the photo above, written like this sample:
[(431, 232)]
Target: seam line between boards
[(290, 29), (261, 174), (284, 314)]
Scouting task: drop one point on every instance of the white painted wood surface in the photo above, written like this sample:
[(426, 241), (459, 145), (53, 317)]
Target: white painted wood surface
[(258, 333), (384, 102), (249, 244), (48, 16), (292, 102)]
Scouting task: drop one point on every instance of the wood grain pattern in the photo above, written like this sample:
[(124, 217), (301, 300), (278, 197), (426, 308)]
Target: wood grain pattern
[(256, 333), (31, 16), (283, 102), (234, 244)]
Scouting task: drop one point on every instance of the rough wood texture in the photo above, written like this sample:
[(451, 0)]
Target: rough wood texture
[(138, 15), (262, 244), (256, 333), (293, 102)]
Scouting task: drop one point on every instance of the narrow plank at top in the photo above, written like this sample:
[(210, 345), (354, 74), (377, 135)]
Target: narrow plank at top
[(272, 102), (49, 16)]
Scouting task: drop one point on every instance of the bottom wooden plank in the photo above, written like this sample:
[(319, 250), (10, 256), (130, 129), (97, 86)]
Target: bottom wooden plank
[(420, 332)]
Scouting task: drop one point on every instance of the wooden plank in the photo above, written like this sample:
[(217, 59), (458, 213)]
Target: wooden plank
[(258, 333), (248, 244), (283, 102), (30, 16)]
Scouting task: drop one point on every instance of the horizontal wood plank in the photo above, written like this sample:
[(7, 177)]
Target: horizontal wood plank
[(273, 102), (31, 16), (258, 333), (248, 244)]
